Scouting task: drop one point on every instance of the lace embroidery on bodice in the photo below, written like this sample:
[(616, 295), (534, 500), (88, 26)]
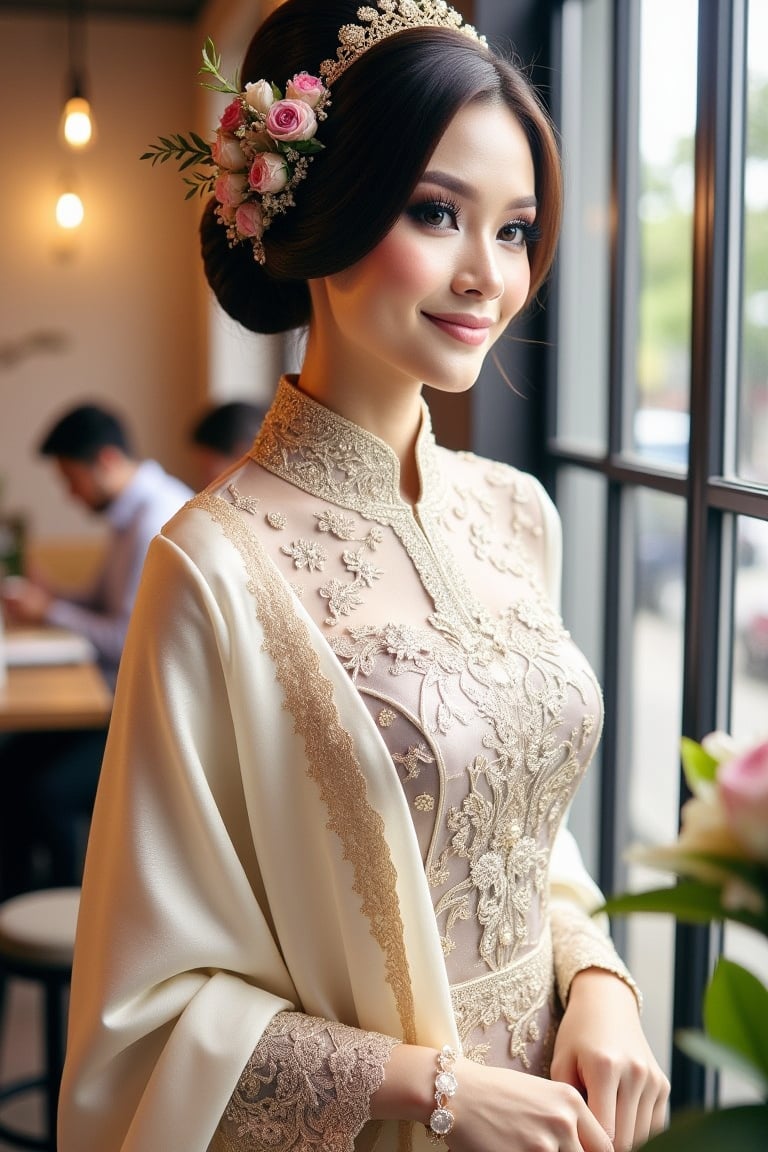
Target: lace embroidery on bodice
[(441, 616)]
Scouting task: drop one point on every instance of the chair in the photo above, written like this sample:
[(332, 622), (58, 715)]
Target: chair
[(37, 936)]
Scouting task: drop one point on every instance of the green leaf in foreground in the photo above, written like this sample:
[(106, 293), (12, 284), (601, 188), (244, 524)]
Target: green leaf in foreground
[(736, 1013), (704, 1050), (743, 1129), (691, 901), (698, 765)]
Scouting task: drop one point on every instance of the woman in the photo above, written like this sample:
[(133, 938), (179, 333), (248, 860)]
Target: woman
[(319, 909)]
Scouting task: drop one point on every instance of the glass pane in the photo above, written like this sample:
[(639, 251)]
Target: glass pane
[(753, 406), (667, 104), (749, 697), (656, 708), (749, 723), (581, 500), (583, 265)]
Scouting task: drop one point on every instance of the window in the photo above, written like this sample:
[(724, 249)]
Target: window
[(658, 432)]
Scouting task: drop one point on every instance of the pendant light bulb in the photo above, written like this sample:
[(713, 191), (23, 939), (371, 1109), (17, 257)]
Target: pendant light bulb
[(77, 123), (69, 210)]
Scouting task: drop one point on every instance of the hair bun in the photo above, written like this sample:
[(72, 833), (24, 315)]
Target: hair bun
[(244, 288)]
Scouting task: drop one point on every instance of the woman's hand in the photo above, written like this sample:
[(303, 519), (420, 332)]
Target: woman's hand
[(498, 1110), (601, 1050)]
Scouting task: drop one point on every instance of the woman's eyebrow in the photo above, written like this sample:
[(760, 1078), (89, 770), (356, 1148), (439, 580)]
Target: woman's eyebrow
[(462, 188)]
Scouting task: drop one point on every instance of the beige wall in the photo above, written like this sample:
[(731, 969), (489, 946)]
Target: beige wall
[(119, 311), (125, 304)]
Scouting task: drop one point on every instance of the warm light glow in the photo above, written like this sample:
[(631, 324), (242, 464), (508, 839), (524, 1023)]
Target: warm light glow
[(69, 210), (78, 122)]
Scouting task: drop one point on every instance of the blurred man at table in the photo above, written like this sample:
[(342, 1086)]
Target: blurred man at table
[(49, 779), (223, 435)]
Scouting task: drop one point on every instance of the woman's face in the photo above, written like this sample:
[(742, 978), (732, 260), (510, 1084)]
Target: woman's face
[(431, 299)]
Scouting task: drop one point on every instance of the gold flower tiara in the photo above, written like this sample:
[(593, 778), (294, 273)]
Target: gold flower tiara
[(389, 17)]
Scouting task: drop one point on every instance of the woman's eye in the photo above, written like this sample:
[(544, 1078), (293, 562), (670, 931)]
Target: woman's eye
[(515, 233), (435, 214), (519, 233)]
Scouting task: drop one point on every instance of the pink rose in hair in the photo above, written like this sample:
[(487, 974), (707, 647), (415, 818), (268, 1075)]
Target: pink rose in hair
[(227, 153), (291, 120), (269, 173), (232, 116), (249, 220), (742, 783), (230, 188), (305, 87)]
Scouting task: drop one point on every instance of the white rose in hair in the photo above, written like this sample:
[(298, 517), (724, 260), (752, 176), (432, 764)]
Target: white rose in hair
[(260, 96)]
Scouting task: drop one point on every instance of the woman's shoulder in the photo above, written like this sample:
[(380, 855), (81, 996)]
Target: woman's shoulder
[(466, 470), (207, 535)]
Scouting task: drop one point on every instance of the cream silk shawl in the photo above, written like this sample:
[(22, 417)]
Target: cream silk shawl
[(251, 851)]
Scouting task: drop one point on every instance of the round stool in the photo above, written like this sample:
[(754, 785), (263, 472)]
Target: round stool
[(37, 938)]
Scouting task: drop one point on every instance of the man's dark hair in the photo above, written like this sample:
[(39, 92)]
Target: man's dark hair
[(229, 428), (83, 431)]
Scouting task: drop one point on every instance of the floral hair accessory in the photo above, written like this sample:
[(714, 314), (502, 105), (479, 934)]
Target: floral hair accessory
[(264, 145), (385, 20)]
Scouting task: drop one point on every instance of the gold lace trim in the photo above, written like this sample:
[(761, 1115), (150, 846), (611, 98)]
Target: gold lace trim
[(331, 760), (580, 943), (515, 995), (308, 1084)]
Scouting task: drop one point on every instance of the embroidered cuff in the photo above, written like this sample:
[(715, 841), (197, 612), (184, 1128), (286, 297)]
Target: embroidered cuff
[(579, 943), (307, 1085)]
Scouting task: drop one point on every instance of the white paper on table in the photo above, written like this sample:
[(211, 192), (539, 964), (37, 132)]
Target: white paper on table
[(34, 646)]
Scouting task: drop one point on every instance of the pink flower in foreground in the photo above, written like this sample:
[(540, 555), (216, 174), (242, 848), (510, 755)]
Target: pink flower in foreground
[(291, 120), (269, 173), (742, 784), (305, 87)]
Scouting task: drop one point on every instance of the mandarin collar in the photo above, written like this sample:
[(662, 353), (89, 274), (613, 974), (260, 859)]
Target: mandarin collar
[(328, 456)]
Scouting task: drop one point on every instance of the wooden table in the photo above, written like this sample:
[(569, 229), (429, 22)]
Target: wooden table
[(54, 697)]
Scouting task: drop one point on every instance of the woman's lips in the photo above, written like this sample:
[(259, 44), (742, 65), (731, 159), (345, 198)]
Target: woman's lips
[(466, 329)]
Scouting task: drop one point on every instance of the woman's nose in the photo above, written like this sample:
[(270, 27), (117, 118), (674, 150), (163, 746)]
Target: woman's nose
[(478, 272)]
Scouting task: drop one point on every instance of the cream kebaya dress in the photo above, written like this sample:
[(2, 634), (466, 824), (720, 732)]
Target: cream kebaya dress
[(345, 737)]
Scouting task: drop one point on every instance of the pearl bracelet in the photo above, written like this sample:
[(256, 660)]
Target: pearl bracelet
[(442, 1119)]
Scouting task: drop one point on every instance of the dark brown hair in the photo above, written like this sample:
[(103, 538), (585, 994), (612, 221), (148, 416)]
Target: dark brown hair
[(387, 115)]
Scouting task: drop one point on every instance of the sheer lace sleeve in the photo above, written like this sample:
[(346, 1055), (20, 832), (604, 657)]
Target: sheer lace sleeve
[(579, 943), (308, 1085)]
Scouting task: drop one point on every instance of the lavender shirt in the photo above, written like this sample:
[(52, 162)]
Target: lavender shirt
[(101, 614)]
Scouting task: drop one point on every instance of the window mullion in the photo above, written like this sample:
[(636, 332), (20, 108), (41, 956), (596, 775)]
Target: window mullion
[(704, 536)]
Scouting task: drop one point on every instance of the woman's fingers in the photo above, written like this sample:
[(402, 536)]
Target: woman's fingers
[(651, 1110), (632, 1105)]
